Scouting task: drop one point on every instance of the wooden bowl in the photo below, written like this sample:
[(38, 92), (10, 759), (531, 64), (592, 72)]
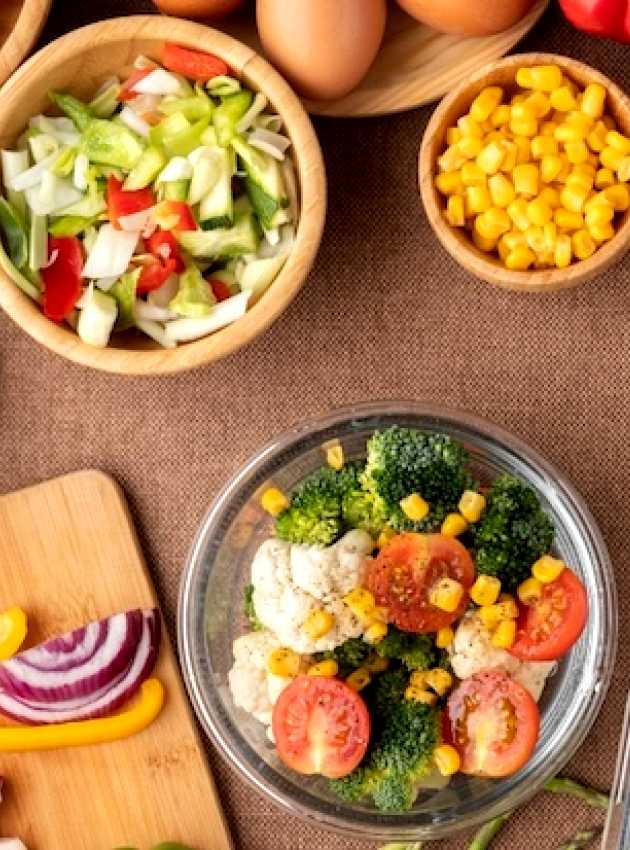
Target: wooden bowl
[(78, 63), (456, 240), (21, 22)]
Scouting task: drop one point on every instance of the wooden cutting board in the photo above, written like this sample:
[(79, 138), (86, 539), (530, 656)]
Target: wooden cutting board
[(68, 555)]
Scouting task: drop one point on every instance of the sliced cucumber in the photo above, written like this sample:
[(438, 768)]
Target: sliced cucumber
[(146, 169), (223, 243), (217, 207), (38, 244), (229, 113), (97, 318)]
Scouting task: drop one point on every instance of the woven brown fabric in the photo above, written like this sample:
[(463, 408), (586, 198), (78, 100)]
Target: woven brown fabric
[(385, 314)]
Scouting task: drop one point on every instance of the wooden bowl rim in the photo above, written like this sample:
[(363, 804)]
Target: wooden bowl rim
[(310, 175), (467, 255), (28, 26)]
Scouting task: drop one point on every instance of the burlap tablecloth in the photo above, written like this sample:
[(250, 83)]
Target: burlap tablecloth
[(385, 314)]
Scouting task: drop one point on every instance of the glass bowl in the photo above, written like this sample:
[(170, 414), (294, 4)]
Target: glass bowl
[(210, 618)]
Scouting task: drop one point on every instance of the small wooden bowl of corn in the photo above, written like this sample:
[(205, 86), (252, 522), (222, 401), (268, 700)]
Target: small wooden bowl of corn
[(524, 172)]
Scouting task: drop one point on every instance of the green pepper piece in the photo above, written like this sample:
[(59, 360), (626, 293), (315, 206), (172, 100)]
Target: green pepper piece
[(70, 225), (105, 104), (183, 143), (194, 297), (14, 231), (79, 113), (27, 286), (229, 113), (124, 291), (193, 108), (107, 143)]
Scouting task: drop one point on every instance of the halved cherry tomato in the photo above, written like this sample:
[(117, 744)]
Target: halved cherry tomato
[(126, 92), (121, 203), (62, 279), (547, 629), (154, 275), (178, 210), (494, 724), (321, 726), (192, 63), (220, 289), (403, 574), (164, 246)]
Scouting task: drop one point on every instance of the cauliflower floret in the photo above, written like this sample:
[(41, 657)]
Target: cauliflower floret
[(472, 651), (253, 687), (290, 581)]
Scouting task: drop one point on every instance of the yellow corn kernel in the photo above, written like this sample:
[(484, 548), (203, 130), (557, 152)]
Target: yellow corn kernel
[(284, 662), (414, 507), (544, 260), (491, 157), (610, 158), (477, 200), (527, 127), (413, 692), (574, 197), (472, 175), (470, 146), (601, 232), (539, 212), (449, 182), (453, 135), (501, 115), (418, 678), (576, 152), (548, 569), (498, 220), (446, 594), (452, 159), (334, 453), (454, 525), (579, 179), (550, 167), (489, 616), (324, 668), (567, 220), (444, 638), (550, 196), (550, 232), (562, 99), (510, 241), (618, 195), (526, 179), (539, 104), (618, 141), (455, 211), (483, 242), (385, 537), (520, 259), (507, 607), (566, 133), (362, 603), (379, 614), (274, 501), (447, 760), (485, 103), (376, 664), (467, 126), (504, 635), (359, 679), (540, 78), (583, 244), (593, 100), (548, 128), (511, 153), (318, 623), (472, 505), (523, 149), (530, 591), (599, 213), (486, 228), (596, 139), (517, 211), (375, 633), (439, 680), (581, 120), (543, 146), (566, 168), (604, 178), (485, 590), (535, 238), (623, 170), (501, 190)]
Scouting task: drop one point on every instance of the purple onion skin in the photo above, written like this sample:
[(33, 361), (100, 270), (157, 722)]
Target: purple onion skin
[(67, 644)]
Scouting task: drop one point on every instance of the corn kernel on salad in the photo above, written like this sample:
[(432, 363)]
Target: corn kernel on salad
[(167, 203), (403, 620), (539, 177)]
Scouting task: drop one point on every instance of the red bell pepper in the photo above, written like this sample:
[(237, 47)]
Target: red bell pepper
[(192, 63), (126, 92), (62, 279), (163, 245), (121, 203), (154, 275), (220, 289), (180, 210), (605, 18)]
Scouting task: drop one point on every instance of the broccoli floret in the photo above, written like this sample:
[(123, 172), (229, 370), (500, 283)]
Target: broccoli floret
[(401, 461), (513, 534), (417, 652), (349, 655), (249, 610), (361, 509), (406, 734)]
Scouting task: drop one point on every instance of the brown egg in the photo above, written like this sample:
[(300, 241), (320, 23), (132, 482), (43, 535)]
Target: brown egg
[(199, 10), (323, 47), (468, 17)]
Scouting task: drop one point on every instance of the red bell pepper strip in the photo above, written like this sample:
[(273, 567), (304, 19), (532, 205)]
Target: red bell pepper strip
[(62, 279), (193, 64), (126, 92), (121, 203), (605, 18), (154, 275), (163, 245), (186, 220), (220, 289)]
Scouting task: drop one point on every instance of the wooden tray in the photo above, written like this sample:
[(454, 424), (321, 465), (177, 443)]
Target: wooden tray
[(21, 22), (416, 64), (69, 554)]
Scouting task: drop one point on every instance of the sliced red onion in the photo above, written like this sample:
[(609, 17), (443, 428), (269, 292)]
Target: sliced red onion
[(67, 651), (25, 682), (106, 702)]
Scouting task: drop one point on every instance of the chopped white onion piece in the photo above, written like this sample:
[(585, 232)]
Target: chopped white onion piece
[(269, 122), (52, 194), (156, 332), (141, 62), (178, 168), (287, 238), (134, 122), (258, 105), (158, 81), (108, 83), (272, 143), (86, 295), (224, 313), (111, 254), (61, 129), (144, 103), (142, 221), (33, 175), (153, 313), (52, 259), (80, 173), (163, 296), (273, 236), (106, 283)]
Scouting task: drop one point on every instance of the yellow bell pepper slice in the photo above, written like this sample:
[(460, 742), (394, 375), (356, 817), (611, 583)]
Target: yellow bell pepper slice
[(20, 739), (12, 632)]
